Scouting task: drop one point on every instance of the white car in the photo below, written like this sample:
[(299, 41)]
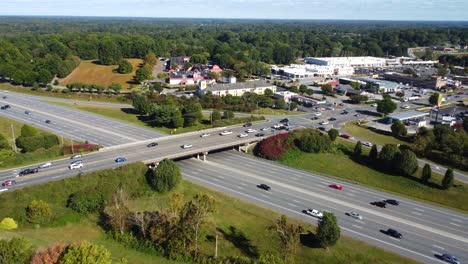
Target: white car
[(186, 146), (251, 130), (205, 135), (45, 165), (225, 133), (264, 129), (355, 215), (324, 123), (314, 213), (76, 165), (243, 135), (277, 126), (77, 156), (405, 106), (373, 105), (318, 114), (366, 143)]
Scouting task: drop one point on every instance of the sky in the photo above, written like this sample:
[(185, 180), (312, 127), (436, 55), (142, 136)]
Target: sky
[(442, 10)]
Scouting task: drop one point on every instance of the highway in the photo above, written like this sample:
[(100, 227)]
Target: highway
[(427, 230)]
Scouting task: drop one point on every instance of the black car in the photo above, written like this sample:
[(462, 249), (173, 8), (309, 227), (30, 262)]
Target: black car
[(248, 125), (332, 119), (322, 128), (285, 120), (259, 135), (392, 202), (4, 97), (379, 204), (28, 171), (315, 118), (152, 144), (394, 233), (264, 187), (5, 107), (48, 122)]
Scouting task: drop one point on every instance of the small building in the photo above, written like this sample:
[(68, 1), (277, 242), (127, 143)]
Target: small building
[(287, 96), (235, 89), (409, 117)]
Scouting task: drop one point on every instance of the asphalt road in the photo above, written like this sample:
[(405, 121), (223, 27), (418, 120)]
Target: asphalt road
[(427, 230), (71, 123)]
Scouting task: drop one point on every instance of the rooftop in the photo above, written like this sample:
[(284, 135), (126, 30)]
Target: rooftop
[(408, 115), (241, 85)]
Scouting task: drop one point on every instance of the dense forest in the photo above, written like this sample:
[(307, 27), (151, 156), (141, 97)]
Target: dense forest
[(34, 49)]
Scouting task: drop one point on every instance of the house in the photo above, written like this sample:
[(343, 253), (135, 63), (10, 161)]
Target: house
[(193, 75), (235, 89), (179, 61)]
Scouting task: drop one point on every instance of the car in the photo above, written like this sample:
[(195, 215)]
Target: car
[(259, 135), (394, 233), (264, 187), (248, 125), (332, 119), (5, 107), (204, 135), (373, 105), (225, 133), (380, 204), (314, 213), (318, 114), (450, 259), (264, 129), (152, 144), (392, 202), (405, 106), (276, 126), (315, 118), (460, 93), (324, 123), (76, 165), (251, 130), (355, 215), (186, 146), (8, 183), (4, 97), (284, 120), (77, 156), (28, 171), (367, 144), (357, 115), (119, 160), (336, 186), (45, 165), (48, 121), (322, 129), (243, 135), (345, 136), (27, 112)]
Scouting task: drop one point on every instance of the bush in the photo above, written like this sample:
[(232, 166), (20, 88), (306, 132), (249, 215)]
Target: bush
[(165, 177), (8, 224), (426, 173), (398, 129), (357, 149), (124, 67), (312, 141), (333, 134), (405, 162), (38, 212), (274, 147), (15, 250), (387, 154), (447, 181), (86, 201)]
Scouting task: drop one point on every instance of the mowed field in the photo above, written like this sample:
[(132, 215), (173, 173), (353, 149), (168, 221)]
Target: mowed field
[(90, 72)]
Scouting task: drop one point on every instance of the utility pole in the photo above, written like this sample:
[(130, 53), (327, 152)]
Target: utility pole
[(216, 245), (14, 141)]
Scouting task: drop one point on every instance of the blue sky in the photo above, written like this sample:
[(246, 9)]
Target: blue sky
[(284, 9)]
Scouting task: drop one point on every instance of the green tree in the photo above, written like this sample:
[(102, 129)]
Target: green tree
[(15, 250), (177, 119), (387, 154), (150, 59), (406, 162), (228, 115), (434, 99), (357, 149), (447, 181), (355, 85), (327, 89), (465, 124), (289, 238), (358, 99), (310, 91), (85, 253), (215, 115), (28, 131), (192, 113), (426, 173), (398, 129), (38, 212), (116, 87), (109, 52), (143, 74), (165, 177), (328, 231), (303, 88), (268, 92), (312, 141), (386, 106), (333, 134), (86, 201), (125, 67), (280, 104), (294, 89)]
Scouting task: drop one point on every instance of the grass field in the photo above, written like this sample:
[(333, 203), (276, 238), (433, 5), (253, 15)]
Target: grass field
[(270, 111), (367, 134), (342, 166), (91, 72), (242, 227)]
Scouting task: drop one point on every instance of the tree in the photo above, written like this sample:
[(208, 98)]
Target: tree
[(192, 113), (312, 141), (117, 212), (355, 85), (165, 177), (358, 99), (116, 87), (386, 106), (143, 74), (303, 88), (357, 149), (177, 119), (426, 173), (15, 250), (8, 223), (465, 124), (434, 99), (333, 134), (268, 92), (400, 94), (28, 131), (310, 91), (215, 115), (38, 212), (176, 204), (294, 89), (142, 220), (280, 104), (109, 52), (387, 154), (289, 237), (150, 59), (228, 115), (86, 201), (125, 67), (85, 253), (328, 231), (327, 89), (373, 153), (398, 129), (405, 162), (50, 255), (447, 181)]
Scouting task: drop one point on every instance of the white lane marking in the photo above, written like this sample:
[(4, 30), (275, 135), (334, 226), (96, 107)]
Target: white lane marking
[(360, 227), (350, 194), (214, 179), (456, 220), (437, 253), (219, 176), (361, 222), (353, 191), (55, 177), (263, 195), (419, 209), (324, 183), (293, 205), (294, 178), (196, 173), (439, 247), (245, 184), (238, 187), (199, 170), (248, 165), (455, 224), (298, 213), (416, 213), (296, 201)]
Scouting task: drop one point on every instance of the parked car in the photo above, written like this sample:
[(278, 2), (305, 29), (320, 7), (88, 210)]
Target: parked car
[(276, 126), (354, 215), (152, 144), (8, 183), (27, 112), (251, 130), (45, 165), (28, 171), (264, 129), (392, 202), (248, 125), (77, 156), (259, 135), (450, 259), (405, 106), (285, 120), (4, 97), (380, 204), (318, 114), (394, 233), (332, 119), (324, 123), (335, 186), (345, 136), (186, 146), (204, 135), (367, 144), (357, 115), (373, 105), (315, 118), (5, 107), (243, 135), (225, 133), (314, 213), (264, 187), (119, 160)]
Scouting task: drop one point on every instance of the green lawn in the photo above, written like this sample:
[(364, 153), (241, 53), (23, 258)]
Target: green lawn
[(342, 166), (364, 133), (270, 111), (243, 227)]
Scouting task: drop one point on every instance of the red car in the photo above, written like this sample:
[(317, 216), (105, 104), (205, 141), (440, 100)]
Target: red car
[(460, 93), (338, 187), (8, 183), (345, 136)]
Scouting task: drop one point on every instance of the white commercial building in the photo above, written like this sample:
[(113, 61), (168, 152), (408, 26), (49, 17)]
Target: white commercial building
[(367, 61), (235, 89), (298, 71)]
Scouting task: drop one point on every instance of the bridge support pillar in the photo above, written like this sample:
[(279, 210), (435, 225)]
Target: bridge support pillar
[(204, 156), (198, 156)]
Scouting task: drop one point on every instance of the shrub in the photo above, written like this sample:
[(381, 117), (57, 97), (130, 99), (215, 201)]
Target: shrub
[(333, 134), (357, 149), (447, 181), (312, 141), (15, 250), (124, 67), (165, 177), (85, 252), (8, 224), (405, 162), (398, 129), (426, 173), (86, 201), (274, 147), (38, 212), (387, 154)]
